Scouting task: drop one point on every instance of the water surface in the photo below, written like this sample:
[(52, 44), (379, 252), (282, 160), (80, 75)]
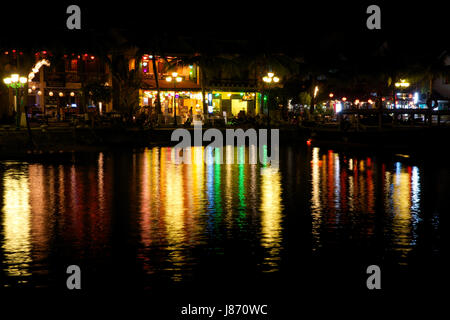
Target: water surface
[(140, 221)]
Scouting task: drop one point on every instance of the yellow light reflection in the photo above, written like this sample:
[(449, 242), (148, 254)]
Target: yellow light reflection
[(271, 216), (16, 224), (174, 217), (399, 185)]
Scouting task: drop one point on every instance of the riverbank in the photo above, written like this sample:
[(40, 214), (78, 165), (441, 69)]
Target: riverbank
[(64, 140)]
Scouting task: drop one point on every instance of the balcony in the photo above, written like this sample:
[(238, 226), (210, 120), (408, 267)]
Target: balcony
[(163, 76), (233, 85), (60, 79)]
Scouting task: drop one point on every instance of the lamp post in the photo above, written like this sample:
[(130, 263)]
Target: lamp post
[(401, 85), (270, 79), (15, 81), (174, 79)]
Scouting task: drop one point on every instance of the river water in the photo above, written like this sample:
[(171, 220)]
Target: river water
[(137, 220)]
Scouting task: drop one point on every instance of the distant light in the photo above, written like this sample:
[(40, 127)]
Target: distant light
[(50, 93), (316, 90), (416, 97), (331, 95), (72, 94), (61, 94), (308, 142), (344, 99)]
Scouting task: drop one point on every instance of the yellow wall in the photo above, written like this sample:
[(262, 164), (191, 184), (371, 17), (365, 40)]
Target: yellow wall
[(238, 105)]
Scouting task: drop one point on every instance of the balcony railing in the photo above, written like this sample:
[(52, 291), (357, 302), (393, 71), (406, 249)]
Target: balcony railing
[(163, 76), (61, 78), (233, 84)]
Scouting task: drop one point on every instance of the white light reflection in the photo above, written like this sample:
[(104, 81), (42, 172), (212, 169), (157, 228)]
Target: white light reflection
[(316, 209)]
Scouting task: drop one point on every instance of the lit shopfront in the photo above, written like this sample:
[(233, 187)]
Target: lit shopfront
[(234, 102), (184, 101)]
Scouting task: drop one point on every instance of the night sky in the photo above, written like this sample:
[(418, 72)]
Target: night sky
[(283, 26)]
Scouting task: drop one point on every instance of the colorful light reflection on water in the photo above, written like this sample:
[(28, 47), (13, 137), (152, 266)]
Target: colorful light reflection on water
[(170, 220)]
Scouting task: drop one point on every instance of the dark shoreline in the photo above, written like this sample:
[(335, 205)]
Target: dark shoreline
[(55, 143)]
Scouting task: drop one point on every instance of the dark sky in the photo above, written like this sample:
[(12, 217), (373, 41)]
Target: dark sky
[(313, 24)]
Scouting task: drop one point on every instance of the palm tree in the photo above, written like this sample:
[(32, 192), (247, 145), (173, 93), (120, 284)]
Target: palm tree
[(431, 67), (158, 89), (258, 64), (211, 66)]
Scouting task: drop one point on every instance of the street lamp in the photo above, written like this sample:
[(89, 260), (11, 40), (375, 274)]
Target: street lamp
[(401, 85), (270, 79), (15, 81), (174, 79)]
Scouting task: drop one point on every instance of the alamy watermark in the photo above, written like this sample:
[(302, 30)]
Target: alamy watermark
[(73, 22), (261, 146), (374, 20), (74, 280), (374, 280)]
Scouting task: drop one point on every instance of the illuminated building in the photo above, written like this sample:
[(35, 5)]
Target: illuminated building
[(56, 88)]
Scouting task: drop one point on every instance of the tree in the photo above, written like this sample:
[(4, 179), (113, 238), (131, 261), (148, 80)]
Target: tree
[(97, 92)]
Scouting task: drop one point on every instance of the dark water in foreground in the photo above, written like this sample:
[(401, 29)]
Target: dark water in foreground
[(135, 220)]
